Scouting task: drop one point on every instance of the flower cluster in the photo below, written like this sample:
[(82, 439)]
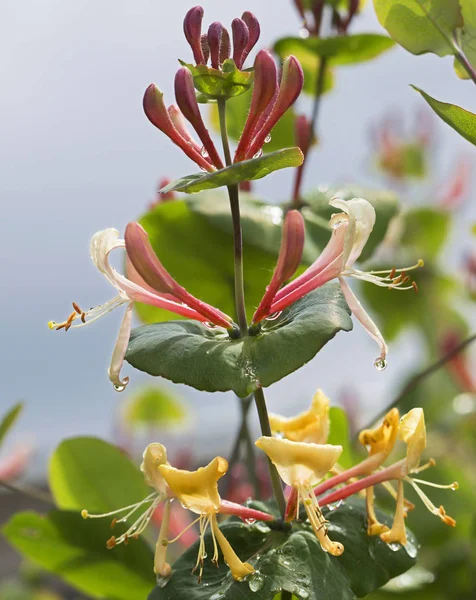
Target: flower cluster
[(149, 282), (298, 448)]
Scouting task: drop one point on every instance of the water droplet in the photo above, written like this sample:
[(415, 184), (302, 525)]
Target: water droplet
[(210, 325), (250, 521), (259, 153), (267, 139), (380, 364), (301, 592), (217, 596), (262, 527), (304, 33), (335, 506), (119, 388), (204, 152), (162, 581), (394, 546), (256, 582), (274, 316)]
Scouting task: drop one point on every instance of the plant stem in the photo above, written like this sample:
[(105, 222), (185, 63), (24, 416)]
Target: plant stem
[(419, 377), (266, 430), (321, 71), (30, 492), (464, 62), (237, 236)]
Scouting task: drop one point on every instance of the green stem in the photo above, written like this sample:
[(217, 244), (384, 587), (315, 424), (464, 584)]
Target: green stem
[(251, 462), (464, 62), (419, 377), (266, 430), (236, 220)]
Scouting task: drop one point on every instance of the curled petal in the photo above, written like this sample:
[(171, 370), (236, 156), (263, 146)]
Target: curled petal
[(187, 101), (359, 312), (361, 222), (117, 360), (192, 28), (290, 254)]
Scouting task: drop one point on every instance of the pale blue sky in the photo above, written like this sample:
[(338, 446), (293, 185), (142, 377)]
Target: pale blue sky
[(78, 155)]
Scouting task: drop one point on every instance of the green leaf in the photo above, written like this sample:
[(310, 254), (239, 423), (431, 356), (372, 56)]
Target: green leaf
[(421, 26), (461, 120), (295, 562), (86, 472), (247, 170), (282, 134), (426, 231), (339, 435), (65, 544), (207, 359), (154, 406), (386, 206), (225, 83), (9, 420), (344, 50)]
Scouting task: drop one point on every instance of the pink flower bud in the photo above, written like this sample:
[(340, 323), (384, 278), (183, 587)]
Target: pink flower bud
[(302, 132), (254, 31), (290, 254), (192, 28), (264, 90), (187, 101), (205, 47), (180, 125), (150, 269), (241, 36), (215, 33), (290, 87), (225, 45), (158, 115)]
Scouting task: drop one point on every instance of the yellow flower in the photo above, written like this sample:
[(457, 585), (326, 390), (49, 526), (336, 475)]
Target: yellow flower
[(379, 443), (302, 466), (309, 426), (198, 491), (412, 431)]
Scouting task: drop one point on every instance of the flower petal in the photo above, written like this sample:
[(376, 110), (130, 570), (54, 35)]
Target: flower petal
[(359, 312), (117, 360), (361, 222)]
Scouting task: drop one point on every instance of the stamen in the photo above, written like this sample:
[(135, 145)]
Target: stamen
[(86, 515), (452, 486), (430, 463), (111, 542), (77, 309), (184, 531), (439, 512), (415, 286), (392, 273)]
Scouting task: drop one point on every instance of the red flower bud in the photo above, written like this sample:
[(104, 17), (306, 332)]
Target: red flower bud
[(254, 31), (158, 115), (215, 34), (180, 125), (187, 101), (302, 132), (290, 87), (300, 8), (264, 90), (290, 254), (192, 28), (241, 36)]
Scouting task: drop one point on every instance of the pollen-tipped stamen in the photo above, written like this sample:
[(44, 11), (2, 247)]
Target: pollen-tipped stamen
[(439, 512), (318, 522)]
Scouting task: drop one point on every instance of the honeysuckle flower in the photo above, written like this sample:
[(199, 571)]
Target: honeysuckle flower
[(412, 431), (196, 491), (258, 125), (302, 466), (309, 426), (351, 229), (157, 288)]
